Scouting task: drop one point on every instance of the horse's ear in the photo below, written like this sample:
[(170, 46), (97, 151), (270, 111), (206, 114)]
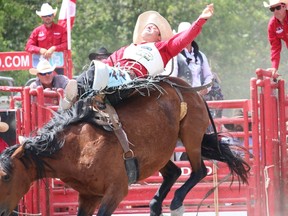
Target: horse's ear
[(19, 152)]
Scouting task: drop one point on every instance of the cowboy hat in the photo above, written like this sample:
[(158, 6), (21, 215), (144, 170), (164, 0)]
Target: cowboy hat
[(274, 2), (46, 10), (155, 18), (43, 67), (4, 127), (183, 26), (100, 52), (238, 113)]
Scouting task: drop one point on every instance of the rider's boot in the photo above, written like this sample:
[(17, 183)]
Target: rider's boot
[(101, 78), (70, 94)]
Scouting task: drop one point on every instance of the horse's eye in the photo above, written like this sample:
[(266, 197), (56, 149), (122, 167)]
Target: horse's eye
[(6, 178)]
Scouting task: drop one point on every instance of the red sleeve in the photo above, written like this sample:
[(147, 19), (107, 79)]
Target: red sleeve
[(32, 43), (63, 43), (275, 43), (178, 42)]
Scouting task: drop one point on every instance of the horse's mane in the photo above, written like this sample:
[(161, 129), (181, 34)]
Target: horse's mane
[(48, 140)]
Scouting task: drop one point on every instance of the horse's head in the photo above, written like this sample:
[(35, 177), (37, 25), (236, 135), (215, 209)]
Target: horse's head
[(15, 180)]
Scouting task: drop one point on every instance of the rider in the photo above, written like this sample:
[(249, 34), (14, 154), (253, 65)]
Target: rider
[(153, 46)]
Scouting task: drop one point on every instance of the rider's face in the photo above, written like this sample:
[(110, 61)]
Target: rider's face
[(151, 33)]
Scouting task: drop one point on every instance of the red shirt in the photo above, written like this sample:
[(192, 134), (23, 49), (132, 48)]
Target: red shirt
[(276, 33), (167, 49), (44, 37), (3, 145)]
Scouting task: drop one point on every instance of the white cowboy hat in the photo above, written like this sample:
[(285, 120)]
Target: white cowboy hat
[(4, 127), (43, 66), (183, 26), (46, 10), (155, 18), (274, 2)]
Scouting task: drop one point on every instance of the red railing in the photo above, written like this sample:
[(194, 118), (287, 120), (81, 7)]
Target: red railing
[(63, 200), (269, 144)]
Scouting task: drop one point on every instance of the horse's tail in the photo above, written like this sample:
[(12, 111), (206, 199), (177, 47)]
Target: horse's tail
[(213, 149)]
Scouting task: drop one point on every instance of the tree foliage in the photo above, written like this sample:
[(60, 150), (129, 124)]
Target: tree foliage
[(234, 39)]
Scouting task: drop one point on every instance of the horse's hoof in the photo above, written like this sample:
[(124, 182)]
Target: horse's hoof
[(178, 212)]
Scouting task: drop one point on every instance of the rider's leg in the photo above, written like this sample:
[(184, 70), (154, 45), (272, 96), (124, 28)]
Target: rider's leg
[(96, 77)]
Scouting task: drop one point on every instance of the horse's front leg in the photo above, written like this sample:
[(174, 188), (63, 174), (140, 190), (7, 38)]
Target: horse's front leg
[(112, 197), (87, 204), (170, 173)]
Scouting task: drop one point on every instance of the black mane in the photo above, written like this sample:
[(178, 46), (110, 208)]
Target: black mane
[(48, 140)]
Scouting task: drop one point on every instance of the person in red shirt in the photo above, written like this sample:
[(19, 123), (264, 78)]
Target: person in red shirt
[(3, 128), (153, 46), (48, 37), (277, 31)]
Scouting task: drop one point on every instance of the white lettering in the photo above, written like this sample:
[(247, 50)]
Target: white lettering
[(16, 61), (185, 171), (8, 61), (25, 61)]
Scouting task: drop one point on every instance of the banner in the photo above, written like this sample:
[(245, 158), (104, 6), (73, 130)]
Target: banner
[(68, 9)]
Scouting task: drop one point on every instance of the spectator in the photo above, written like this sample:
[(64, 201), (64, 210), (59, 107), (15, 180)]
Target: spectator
[(193, 64), (153, 46), (48, 37), (194, 68), (46, 76), (3, 128), (100, 54), (238, 127), (215, 94), (277, 31)]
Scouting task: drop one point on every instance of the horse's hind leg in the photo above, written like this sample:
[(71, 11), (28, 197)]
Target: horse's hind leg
[(191, 133), (170, 173), (181, 193)]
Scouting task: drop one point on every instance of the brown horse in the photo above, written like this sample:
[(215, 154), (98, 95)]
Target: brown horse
[(89, 159)]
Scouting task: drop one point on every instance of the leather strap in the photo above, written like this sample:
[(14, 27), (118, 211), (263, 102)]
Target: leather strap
[(118, 130)]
